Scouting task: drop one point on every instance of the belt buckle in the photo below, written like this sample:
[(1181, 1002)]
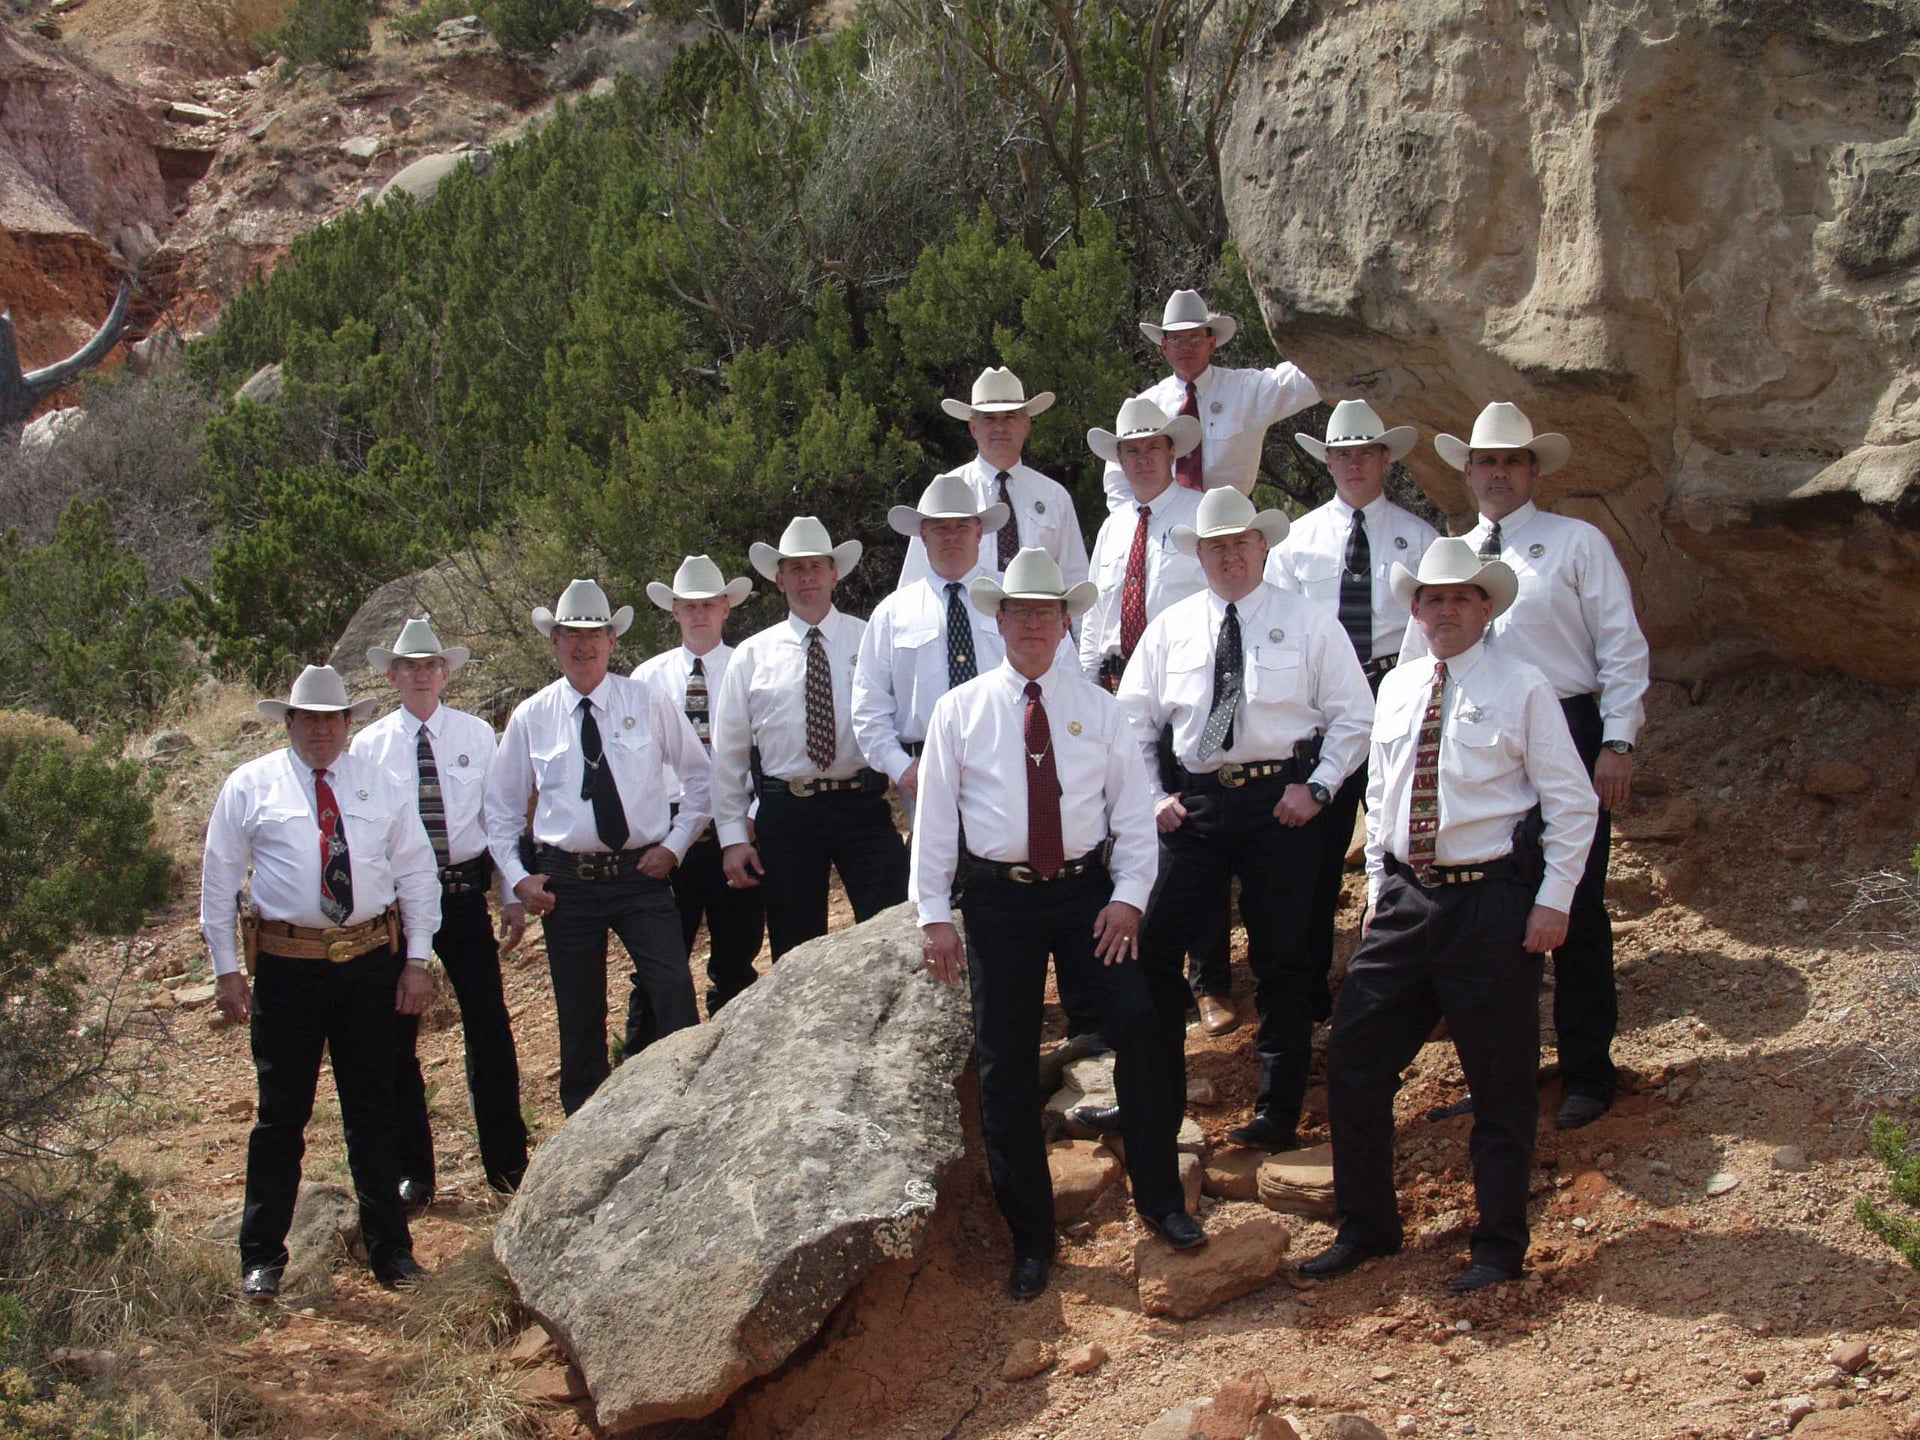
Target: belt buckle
[(1429, 878), (800, 789), (1022, 874), (340, 951), (592, 866), (1232, 775)]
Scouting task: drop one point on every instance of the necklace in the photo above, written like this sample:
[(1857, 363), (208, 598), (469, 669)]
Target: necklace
[(1041, 755)]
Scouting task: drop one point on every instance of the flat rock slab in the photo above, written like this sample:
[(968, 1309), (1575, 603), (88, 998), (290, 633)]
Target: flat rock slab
[(1300, 1182), (1081, 1171), (1237, 1260), (698, 1219)]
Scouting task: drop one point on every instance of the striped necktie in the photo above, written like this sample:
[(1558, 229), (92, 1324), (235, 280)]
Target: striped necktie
[(1356, 589), (1423, 810), (433, 805)]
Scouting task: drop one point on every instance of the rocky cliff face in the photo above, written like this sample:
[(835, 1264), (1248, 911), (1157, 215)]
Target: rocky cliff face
[(1684, 232)]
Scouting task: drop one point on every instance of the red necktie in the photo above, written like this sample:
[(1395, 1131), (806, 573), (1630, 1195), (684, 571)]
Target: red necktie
[(1045, 850), (1133, 594), (1186, 469), (336, 866)]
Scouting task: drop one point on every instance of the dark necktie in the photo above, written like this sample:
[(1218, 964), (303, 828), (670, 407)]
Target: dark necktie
[(1046, 852), (1490, 547), (1423, 805), (962, 664), (1133, 594), (820, 746), (1356, 590), (597, 784), (433, 805), (1187, 468), (696, 706), (1227, 671), (1008, 535), (336, 865)]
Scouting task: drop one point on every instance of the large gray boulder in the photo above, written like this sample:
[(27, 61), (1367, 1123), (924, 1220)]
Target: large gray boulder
[(699, 1218)]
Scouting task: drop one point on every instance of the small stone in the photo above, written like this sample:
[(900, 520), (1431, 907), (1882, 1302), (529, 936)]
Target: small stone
[(1176, 1423), (1275, 1427), (1027, 1358), (1201, 1091), (237, 1109), (1082, 1170), (361, 148), (1753, 1375), (533, 1346), (1797, 1407), (1405, 1425), (1087, 1358), (1849, 1355), (1237, 1260), (194, 997), (1192, 1181), (1659, 1167), (1383, 1373), (1238, 1403), (1722, 1182), (1191, 1139), (1350, 1427), (1790, 1158), (1463, 1325)]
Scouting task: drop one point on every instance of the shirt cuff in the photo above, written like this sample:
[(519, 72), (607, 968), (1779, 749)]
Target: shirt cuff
[(1325, 774), (733, 832), (935, 912), (510, 878), (1555, 895), (1618, 730), (1134, 893)]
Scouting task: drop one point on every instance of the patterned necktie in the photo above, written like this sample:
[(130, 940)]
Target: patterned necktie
[(1356, 590), (433, 805), (1227, 661), (962, 664), (1423, 812), (696, 706), (1490, 547), (336, 865), (820, 746), (1133, 594), (1008, 535), (1046, 852), (597, 784), (1186, 469)]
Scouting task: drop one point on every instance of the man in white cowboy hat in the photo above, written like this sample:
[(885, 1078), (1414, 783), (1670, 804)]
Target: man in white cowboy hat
[(605, 841), (1233, 407), (924, 639), (1339, 556), (442, 755), (689, 676), (1040, 511), (1268, 713), (1573, 620), (1479, 814), (337, 866), (783, 728), (1030, 764)]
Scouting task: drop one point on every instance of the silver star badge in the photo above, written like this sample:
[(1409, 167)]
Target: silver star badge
[(1474, 717)]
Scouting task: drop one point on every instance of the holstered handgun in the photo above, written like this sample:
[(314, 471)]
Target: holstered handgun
[(396, 941), (1306, 755), (1111, 669), (1163, 758), (1529, 848), (249, 934)]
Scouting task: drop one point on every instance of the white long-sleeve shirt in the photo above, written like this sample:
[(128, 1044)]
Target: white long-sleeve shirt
[(1573, 619), (266, 823), (463, 747), (1311, 560), (763, 703), (641, 736), (902, 667), (669, 671), (973, 774), (1042, 515), (1503, 745), (1299, 675), (1236, 409), (1171, 576)]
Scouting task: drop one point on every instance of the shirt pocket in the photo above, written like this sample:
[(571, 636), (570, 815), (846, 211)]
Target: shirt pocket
[(635, 759), (555, 766), (1275, 673), (920, 670), (369, 815), (1319, 577), (1189, 672), (1475, 751), (1081, 762)]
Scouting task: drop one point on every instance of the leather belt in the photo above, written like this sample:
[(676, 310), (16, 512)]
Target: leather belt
[(1436, 876), (468, 876), (335, 943), (1021, 873), (1379, 666), (1237, 773), (807, 789), (592, 866)]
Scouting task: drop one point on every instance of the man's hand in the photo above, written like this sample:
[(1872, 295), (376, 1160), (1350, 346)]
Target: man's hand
[(534, 894), (1297, 806), (415, 989), (513, 926), (1169, 815), (1613, 779), (235, 1000), (940, 950), (658, 862), (1546, 930), (741, 864), (909, 781), (1116, 933)]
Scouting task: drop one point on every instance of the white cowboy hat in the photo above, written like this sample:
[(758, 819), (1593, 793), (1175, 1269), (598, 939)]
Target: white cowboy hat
[(949, 497), (698, 578), (1225, 511), (1354, 423), (1186, 310), (804, 537), (582, 606), (319, 688), (1033, 574), (1452, 561), (417, 642), (1141, 419), (998, 392), (1501, 426)]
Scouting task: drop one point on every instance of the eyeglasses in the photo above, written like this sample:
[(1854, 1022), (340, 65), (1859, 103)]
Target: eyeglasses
[(1185, 338)]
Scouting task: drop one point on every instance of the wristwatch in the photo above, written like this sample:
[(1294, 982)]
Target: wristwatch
[(1319, 792), (1618, 747)]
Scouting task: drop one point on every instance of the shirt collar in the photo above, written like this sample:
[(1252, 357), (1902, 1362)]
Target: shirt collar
[(598, 695), (988, 471), (1049, 683), (1511, 522), (413, 724), (1243, 607), (1462, 665), (1373, 509), (1158, 505), (1200, 382), (828, 625), (687, 657)]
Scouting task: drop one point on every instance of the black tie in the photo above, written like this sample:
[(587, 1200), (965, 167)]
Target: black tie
[(962, 665), (1490, 547), (596, 785), (1227, 673), (1356, 590)]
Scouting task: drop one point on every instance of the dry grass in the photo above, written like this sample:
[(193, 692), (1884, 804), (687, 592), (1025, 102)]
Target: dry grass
[(459, 1318)]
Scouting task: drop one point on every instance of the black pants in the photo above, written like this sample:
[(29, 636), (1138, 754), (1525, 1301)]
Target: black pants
[(1586, 1006), (471, 956), (640, 910), (799, 839), (1011, 931), (736, 919), (1454, 951), (1228, 834), (300, 1008), (1210, 952), (1339, 818)]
